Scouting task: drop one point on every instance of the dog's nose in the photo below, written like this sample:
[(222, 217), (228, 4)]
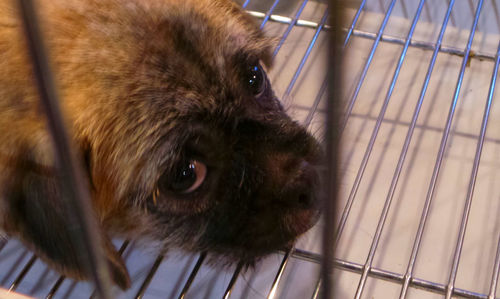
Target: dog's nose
[(302, 192)]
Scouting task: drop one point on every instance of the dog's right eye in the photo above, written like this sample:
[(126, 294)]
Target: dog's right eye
[(189, 176)]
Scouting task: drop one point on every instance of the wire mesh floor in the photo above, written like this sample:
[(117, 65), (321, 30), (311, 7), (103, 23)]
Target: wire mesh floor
[(421, 157)]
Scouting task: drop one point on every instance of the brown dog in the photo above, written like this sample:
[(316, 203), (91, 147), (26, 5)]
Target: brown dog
[(183, 139)]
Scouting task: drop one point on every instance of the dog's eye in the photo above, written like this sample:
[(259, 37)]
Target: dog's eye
[(256, 80), (189, 177)]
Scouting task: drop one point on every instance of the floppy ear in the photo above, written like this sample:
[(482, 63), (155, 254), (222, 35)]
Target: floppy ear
[(37, 215)]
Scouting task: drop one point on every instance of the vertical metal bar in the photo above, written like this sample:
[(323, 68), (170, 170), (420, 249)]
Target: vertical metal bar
[(77, 196), (289, 28), (149, 277), (3, 242), (120, 252), (316, 290), (367, 66), (388, 201), (55, 287), (332, 139), (192, 276), (268, 14), (324, 85), (61, 278), (364, 162), (306, 55), (23, 273), (279, 275), (475, 167), (494, 276), (418, 237), (232, 282), (353, 23), (245, 4)]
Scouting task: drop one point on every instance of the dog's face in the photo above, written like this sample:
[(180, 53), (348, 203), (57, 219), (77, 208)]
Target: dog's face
[(217, 164), (184, 140)]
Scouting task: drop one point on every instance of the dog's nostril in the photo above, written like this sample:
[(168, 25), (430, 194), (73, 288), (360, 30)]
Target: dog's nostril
[(304, 200)]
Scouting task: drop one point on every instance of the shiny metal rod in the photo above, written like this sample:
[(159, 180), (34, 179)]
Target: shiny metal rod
[(494, 276), (388, 201), (368, 62), (192, 276), (232, 282), (477, 159), (77, 195), (404, 151)]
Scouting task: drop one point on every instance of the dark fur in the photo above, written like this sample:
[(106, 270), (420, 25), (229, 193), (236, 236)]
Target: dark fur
[(145, 83)]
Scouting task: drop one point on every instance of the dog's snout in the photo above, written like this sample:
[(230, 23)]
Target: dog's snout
[(301, 192)]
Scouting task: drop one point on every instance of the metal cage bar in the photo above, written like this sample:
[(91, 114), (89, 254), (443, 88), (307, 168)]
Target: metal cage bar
[(387, 205), (496, 270), (23, 273), (192, 276), (268, 14), (232, 282), (306, 56), (291, 25), (149, 276), (408, 139), (371, 35), (366, 270), (368, 62), (86, 236), (390, 276), (332, 142), (475, 167)]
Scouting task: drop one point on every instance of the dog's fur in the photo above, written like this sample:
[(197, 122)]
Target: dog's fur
[(145, 84)]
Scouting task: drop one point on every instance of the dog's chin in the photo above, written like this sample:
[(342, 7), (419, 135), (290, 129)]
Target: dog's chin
[(256, 247)]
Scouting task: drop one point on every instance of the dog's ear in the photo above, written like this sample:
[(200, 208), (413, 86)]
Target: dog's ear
[(37, 215)]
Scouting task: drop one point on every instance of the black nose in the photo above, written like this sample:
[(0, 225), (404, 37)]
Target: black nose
[(301, 192)]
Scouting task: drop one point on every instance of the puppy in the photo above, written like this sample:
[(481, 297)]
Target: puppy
[(183, 140)]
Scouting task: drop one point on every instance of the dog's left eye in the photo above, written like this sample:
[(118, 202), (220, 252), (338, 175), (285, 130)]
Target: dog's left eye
[(256, 80)]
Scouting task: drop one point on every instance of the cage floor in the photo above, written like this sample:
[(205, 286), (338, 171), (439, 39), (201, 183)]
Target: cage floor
[(376, 240)]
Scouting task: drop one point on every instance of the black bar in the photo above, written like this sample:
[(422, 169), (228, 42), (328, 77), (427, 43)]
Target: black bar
[(77, 197), (332, 144)]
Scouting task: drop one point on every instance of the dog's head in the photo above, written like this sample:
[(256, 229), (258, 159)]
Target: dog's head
[(183, 138), (196, 142)]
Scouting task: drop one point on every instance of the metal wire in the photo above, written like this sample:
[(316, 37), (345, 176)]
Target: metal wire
[(292, 24), (61, 278), (496, 270), (192, 276), (362, 167), (3, 242), (279, 275), (368, 62), (86, 237), (366, 270), (409, 136), (388, 275), (149, 277), (306, 55), (370, 35), (477, 158), (23, 273), (387, 205), (232, 282), (268, 14)]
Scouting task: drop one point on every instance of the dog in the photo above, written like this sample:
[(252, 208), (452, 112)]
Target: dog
[(183, 142)]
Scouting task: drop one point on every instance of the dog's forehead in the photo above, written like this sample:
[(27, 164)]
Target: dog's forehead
[(222, 31)]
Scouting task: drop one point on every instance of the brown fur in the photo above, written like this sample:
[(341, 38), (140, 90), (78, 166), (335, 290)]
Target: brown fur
[(139, 81)]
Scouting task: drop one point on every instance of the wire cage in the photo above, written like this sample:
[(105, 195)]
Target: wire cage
[(418, 200), (175, 275)]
